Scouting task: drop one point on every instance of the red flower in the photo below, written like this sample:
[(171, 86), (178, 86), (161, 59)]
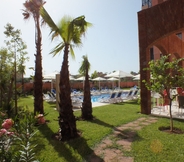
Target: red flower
[(40, 119)]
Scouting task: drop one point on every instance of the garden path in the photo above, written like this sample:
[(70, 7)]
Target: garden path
[(116, 146)]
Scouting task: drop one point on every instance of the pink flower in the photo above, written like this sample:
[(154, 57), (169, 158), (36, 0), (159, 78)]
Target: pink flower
[(7, 124), (2, 132), (5, 132), (10, 133)]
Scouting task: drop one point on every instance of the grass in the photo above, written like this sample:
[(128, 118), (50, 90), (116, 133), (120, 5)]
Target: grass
[(150, 144)]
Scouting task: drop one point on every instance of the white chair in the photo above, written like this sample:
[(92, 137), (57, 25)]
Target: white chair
[(118, 98), (77, 102)]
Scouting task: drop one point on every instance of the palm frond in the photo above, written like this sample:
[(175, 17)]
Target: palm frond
[(85, 65), (72, 52), (26, 14), (64, 28), (57, 49), (82, 24), (46, 17)]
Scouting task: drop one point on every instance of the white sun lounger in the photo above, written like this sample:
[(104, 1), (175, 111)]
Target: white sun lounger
[(110, 99)]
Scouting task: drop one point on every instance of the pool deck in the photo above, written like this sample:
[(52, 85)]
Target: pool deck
[(97, 104), (94, 104)]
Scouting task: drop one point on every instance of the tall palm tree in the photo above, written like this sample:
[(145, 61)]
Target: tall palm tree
[(32, 7), (70, 30), (86, 105)]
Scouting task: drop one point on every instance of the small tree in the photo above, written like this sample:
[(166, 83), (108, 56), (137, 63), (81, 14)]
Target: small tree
[(165, 75), (86, 105), (6, 80), (17, 47)]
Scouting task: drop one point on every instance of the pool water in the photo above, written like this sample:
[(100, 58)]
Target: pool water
[(96, 98)]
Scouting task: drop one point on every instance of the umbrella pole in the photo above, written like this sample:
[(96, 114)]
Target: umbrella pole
[(99, 84), (51, 84), (119, 83)]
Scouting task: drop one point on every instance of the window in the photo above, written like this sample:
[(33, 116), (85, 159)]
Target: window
[(179, 35), (151, 54), (146, 3)]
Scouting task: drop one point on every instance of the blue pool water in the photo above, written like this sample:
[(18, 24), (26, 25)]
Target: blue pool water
[(96, 98)]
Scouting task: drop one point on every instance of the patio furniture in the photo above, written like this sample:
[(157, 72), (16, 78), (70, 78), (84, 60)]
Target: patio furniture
[(118, 98), (110, 99), (181, 103)]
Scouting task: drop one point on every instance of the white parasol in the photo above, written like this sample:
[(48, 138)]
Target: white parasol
[(99, 79), (119, 74), (113, 79)]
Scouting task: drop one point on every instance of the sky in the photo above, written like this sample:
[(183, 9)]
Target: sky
[(110, 44)]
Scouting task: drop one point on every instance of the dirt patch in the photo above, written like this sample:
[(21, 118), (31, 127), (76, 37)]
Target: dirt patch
[(168, 130)]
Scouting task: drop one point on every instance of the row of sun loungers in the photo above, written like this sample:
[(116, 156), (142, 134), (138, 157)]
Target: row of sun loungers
[(51, 97), (132, 94), (115, 97)]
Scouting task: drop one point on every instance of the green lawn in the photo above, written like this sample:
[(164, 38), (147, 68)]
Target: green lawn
[(150, 144)]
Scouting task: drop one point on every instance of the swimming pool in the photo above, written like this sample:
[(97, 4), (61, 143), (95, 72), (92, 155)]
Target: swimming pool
[(96, 98)]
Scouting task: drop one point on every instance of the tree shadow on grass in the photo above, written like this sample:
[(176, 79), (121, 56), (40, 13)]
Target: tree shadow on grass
[(132, 102), (128, 135), (75, 150), (100, 122)]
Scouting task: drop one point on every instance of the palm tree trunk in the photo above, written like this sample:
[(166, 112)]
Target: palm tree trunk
[(67, 121), (86, 105), (38, 84)]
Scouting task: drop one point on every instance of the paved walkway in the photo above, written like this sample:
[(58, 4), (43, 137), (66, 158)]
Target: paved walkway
[(114, 147)]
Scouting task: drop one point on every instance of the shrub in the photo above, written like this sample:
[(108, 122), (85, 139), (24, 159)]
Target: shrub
[(16, 138)]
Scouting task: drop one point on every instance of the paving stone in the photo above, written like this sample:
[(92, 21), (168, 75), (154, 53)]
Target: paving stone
[(123, 137)]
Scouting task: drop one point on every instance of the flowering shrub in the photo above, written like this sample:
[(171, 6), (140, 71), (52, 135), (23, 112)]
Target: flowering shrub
[(6, 125), (16, 137)]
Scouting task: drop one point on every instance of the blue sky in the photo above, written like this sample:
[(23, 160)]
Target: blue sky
[(111, 44)]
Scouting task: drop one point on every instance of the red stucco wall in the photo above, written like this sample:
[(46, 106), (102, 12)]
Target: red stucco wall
[(158, 27)]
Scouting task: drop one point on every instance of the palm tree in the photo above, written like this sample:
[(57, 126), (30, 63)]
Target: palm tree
[(86, 105), (32, 7), (70, 30)]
